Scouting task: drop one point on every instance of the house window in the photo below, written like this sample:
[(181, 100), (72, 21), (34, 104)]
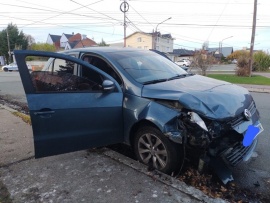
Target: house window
[(157, 39), (157, 47), (139, 47), (168, 40), (145, 47), (168, 49), (139, 39)]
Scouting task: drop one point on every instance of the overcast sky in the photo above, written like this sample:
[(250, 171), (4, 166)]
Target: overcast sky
[(192, 21)]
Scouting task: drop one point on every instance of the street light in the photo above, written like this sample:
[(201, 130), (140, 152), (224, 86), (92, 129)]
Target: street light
[(163, 22), (156, 30), (220, 51)]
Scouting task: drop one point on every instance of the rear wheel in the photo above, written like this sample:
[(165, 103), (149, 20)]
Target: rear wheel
[(6, 69), (155, 150)]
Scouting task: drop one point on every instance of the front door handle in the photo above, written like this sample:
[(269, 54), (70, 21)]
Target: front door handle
[(44, 112)]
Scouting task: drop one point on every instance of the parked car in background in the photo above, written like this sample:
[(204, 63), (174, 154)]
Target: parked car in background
[(234, 61), (183, 62), (184, 68), (99, 96), (13, 67)]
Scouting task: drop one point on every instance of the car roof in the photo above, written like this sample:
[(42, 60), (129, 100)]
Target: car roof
[(102, 50)]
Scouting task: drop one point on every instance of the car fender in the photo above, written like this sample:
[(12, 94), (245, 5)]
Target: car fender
[(164, 118)]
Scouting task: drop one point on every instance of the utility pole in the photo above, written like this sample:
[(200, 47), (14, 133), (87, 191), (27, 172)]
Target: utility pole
[(124, 8), (9, 53), (250, 61)]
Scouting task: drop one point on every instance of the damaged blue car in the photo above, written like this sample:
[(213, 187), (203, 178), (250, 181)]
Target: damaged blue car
[(98, 96)]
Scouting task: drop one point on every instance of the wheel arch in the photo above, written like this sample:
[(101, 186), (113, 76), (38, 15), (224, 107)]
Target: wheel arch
[(137, 126)]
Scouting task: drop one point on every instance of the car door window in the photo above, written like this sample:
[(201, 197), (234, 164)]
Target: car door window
[(102, 65), (60, 76)]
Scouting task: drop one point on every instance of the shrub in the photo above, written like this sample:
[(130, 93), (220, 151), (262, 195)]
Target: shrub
[(237, 54), (261, 61), (242, 66)]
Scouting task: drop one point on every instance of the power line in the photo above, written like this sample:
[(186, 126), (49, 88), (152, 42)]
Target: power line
[(95, 11), (184, 46), (63, 26), (131, 23), (65, 12), (34, 8), (141, 16), (217, 20), (185, 2)]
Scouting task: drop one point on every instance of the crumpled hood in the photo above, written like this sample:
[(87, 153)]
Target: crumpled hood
[(208, 97)]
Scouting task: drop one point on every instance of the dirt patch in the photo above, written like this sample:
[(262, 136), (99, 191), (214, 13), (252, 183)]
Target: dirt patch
[(4, 194), (19, 106), (212, 186)]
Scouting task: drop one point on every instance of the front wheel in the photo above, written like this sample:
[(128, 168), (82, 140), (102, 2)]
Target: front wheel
[(152, 148)]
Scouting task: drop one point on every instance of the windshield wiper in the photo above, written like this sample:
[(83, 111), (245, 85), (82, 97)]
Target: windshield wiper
[(167, 79), (155, 81), (177, 76)]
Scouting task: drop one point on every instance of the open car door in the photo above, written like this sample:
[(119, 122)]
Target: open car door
[(73, 105)]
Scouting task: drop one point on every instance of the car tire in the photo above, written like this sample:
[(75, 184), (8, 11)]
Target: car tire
[(152, 148), (6, 69)]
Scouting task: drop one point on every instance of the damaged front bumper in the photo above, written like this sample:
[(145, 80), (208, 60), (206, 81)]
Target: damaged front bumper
[(222, 144)]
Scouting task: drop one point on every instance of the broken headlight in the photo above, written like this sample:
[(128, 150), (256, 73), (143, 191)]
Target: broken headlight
[(171, 104), (195, 118)]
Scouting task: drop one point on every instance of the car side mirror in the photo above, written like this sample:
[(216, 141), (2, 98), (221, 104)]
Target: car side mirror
[(108, 86)]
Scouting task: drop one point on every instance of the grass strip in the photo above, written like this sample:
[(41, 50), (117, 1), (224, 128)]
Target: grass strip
[(25, 118), (253, 80)]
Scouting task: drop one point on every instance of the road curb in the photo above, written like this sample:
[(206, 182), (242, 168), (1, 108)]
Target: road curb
[(194, 193), (8, 108), (259, 90)]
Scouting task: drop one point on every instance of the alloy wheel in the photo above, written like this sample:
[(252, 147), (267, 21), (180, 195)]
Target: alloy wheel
[(152, 151)]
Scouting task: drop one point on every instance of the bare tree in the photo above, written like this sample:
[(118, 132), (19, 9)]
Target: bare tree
[(203, 61), (31, 40)]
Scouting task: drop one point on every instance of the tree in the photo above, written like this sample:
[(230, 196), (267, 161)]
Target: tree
[(203, 61), (205, 45), (17, 40), (40, 47), (102, 43), (237, 54), (31, 40), (43, 47)]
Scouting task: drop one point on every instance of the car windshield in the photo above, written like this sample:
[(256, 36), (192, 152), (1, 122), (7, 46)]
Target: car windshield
[(148, 67)]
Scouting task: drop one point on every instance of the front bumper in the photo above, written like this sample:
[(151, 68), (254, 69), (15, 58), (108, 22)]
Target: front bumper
[(238, 153)]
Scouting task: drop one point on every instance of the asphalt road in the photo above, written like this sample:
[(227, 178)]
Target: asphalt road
[(11, 85), (246, 174)]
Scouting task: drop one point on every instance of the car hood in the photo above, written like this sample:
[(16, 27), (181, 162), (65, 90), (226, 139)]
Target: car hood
[(208, 97)]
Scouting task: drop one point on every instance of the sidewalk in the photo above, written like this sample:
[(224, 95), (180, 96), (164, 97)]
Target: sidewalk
[(256, 88), (85, 176)]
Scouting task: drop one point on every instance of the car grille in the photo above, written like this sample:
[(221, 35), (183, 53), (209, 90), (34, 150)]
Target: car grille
[(240, 119), (236, 154)]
